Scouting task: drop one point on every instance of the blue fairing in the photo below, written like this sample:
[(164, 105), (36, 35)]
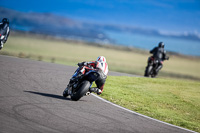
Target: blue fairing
[(92, 76), (76, 72)]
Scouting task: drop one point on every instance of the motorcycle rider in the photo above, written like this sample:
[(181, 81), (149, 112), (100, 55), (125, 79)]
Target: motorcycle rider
[(159, 54), (99, 66), (4, 28)]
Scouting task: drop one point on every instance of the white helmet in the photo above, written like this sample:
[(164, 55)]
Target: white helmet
[(101, 59)]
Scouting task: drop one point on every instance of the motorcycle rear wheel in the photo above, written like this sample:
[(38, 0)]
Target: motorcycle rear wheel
[(81, 91)]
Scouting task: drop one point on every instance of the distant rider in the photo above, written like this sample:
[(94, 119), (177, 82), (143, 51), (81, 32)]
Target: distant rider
[(159, 54), (4, 30), (99, 66)]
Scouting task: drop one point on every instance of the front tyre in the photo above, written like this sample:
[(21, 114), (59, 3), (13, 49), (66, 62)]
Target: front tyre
[(81, 90), (146, 72), (65, 93), (154, 74)]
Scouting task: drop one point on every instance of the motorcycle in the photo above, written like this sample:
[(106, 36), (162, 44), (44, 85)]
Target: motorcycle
[(151, 67), (2, 38), (81, 85)]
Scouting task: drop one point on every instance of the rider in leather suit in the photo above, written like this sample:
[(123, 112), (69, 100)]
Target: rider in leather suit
[(159, 54), (4, 28), (100, 66)]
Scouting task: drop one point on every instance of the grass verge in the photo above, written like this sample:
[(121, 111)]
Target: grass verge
[(172, 101), (120, 59)]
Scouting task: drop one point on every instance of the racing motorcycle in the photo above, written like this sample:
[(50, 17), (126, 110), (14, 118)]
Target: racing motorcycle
[(151, 67), (2, 38), (81, 85)]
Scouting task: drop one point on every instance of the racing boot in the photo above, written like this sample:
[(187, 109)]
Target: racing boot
[(95, 90)]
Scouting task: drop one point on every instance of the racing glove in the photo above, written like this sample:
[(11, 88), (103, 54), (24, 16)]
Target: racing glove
[(82, 64)]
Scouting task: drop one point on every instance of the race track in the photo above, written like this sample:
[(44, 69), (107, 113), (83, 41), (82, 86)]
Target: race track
[(31, 101)]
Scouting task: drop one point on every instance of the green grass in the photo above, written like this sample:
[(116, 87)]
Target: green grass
[(173, 101), (121, 60)]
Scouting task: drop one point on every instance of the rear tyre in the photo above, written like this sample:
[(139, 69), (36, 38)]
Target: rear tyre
[(81, 91), (154, 74), (148, 71)]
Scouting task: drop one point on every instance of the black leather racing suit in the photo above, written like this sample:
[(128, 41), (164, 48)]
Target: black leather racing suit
[(4, 30), (159, 54)]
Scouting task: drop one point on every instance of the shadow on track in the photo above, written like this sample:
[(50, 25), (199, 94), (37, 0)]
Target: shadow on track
[(48, 95)]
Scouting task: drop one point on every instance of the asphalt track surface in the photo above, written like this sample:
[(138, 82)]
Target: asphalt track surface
[(31, 102)]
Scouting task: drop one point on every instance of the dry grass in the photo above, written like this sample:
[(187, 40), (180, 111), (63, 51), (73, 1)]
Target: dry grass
[(69, 52)]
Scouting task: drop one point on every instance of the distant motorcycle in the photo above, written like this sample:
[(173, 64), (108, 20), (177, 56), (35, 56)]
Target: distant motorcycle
[(151, 67), (81, 86), (2, 37)]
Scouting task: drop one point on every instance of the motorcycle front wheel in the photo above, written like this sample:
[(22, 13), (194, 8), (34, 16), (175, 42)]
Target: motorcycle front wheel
[(65, 93), (148, 71)]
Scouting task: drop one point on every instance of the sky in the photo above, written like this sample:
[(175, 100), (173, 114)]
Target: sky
[(167, 16)]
